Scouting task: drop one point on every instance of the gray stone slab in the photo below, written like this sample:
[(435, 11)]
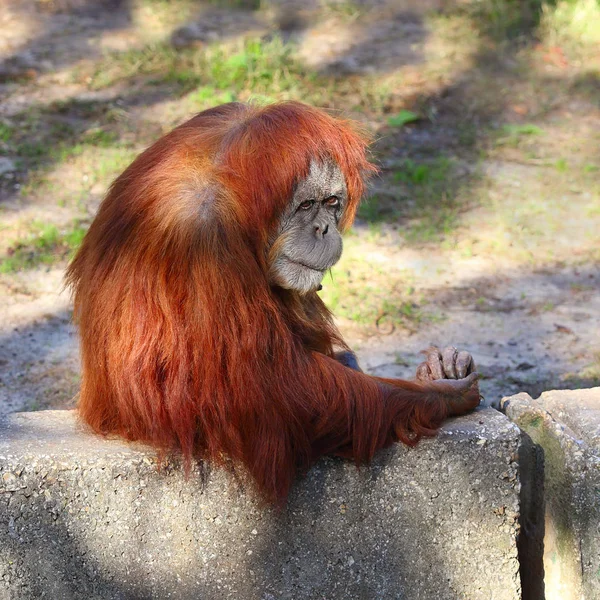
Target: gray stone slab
[(566, 425), (83, 517)]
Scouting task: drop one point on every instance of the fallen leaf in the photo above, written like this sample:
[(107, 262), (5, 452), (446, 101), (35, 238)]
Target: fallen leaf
[(563, 329), (403, 118)]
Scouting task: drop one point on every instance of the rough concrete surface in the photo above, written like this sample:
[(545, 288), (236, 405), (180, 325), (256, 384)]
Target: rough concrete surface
[(566, 425), (83, 517)]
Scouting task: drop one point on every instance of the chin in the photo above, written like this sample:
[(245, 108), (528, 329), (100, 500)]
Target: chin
[(309, 283), (299, 278)]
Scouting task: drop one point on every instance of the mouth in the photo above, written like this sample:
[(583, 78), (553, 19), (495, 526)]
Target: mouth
[(305, 266)]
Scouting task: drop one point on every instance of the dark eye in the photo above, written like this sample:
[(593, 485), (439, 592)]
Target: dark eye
[(306, 205), (332, 201)]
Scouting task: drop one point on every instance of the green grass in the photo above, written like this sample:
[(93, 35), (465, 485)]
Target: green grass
[(46, 244), (424, 173), (46, 139), (369, 300), (589, 376), (255, 65), (433, 227), (505, 19), (253, 68), (55, 132), (347, 10), (513, 135), (6, 132), (404, 117), (207, 95), (423, 198), (109, 162), (82, 142), (90, 165), (94, 139), (372, 294), (520, 130), (372, 210), (561, 165)]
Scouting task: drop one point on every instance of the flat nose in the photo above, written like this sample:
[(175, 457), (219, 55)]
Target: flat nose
[(321, 229)]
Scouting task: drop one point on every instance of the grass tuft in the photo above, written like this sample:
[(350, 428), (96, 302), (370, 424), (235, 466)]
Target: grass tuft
[(404, 117), (6, 132), (370, 295), (253, 65), (423, 197), (46, 244), (513, 135)]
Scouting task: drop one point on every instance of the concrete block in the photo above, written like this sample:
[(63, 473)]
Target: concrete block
[(565, 424), (83, 517)]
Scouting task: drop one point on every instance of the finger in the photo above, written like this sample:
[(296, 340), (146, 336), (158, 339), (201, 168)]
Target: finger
[(463, 362), (469, 395), (473, 396), (448, 358), (458, 386), (423, 372), (471, 379), (434, 360)]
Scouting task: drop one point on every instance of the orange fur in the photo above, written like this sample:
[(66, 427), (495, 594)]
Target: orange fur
[(186, 346)]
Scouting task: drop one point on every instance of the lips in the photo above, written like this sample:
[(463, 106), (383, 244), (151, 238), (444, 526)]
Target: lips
[(301, 264)]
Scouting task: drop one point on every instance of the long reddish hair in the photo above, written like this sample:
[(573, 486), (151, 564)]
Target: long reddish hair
[(185, 345)]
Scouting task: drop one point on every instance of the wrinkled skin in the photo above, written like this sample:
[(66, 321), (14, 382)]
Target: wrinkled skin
[(454, 370), (308, 242)]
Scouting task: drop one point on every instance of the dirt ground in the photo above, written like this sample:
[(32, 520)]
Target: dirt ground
[(484, 224)]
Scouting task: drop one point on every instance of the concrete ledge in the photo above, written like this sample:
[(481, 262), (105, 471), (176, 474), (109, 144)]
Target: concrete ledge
[(82, 517), (565, 424)]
